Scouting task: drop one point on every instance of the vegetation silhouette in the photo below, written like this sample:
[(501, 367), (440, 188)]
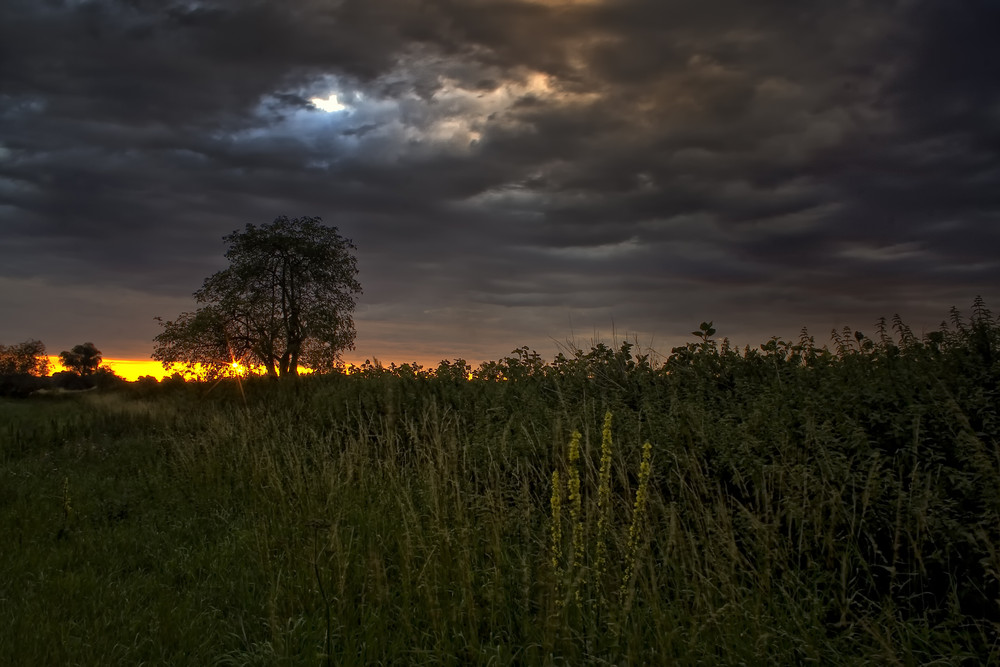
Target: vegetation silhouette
[(27, 358), (83, 359), (286, 300)]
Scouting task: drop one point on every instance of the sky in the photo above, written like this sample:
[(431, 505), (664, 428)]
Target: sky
[(530, 172)]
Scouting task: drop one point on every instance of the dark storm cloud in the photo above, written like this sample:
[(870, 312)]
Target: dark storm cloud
[(509, 170)]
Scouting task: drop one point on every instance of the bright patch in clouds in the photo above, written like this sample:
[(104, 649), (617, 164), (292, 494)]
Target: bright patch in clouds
[(329, 105), (386, 123)]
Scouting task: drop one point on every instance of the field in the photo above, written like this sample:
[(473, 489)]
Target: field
[(797, 504)]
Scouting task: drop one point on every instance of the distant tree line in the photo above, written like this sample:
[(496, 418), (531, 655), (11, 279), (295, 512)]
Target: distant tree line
[(25, 368)]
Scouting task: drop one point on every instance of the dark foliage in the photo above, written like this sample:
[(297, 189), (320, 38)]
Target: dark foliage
[(286, 300), (21, 385), (83, 359), (27, 358)]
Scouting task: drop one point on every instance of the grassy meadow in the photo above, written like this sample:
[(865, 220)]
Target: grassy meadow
[(798, 503)]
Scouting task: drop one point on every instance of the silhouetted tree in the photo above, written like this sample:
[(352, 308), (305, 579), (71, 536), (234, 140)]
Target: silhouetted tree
[(286, 300), (27, 358), (82, 359)]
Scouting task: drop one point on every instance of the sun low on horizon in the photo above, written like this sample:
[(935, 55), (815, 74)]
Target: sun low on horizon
[(129, 369), (134, 369)]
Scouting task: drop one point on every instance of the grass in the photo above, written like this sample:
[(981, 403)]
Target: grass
[(796, 504)]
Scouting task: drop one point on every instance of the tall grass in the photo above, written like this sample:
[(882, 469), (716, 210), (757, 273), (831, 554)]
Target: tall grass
[(794, 504)]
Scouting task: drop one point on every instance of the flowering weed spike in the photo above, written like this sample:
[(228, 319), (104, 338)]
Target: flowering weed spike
[(575, 499), (604, 496), (638, 520), (574, 447)]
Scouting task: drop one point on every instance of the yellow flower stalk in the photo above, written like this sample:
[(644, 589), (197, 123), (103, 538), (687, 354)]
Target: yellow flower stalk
[(604, 496), (581, 569), (575, 499), (556, 504), (638, 519)]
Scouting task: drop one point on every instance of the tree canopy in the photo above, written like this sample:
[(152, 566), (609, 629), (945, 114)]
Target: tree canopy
[(82, 359), (285, 300), (27, 358)]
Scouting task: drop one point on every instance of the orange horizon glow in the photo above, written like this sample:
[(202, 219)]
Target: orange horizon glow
[(133, 369), (130, 369)]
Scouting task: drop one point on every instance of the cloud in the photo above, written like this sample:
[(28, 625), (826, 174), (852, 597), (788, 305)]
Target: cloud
[(507, 167)]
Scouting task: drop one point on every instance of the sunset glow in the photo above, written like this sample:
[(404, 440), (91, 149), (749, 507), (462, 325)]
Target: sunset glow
[(130, 369), (133, 369)]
